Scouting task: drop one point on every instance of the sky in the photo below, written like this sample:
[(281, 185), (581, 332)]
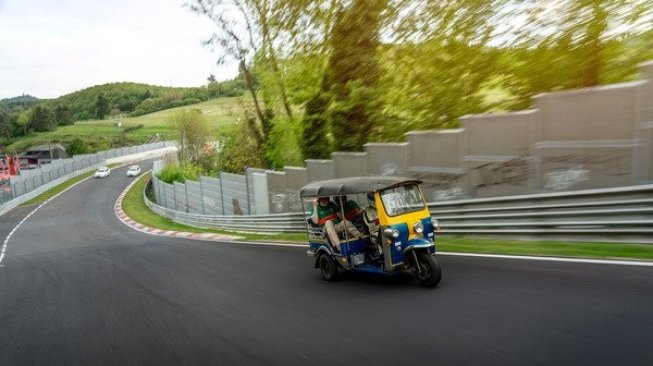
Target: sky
[(49, 48)]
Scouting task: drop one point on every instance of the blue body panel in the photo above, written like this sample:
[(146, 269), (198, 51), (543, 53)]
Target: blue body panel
[(398, 244), (354, 246)]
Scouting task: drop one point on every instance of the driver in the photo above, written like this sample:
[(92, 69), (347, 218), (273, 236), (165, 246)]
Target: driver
[(324, 212), (371, 216)]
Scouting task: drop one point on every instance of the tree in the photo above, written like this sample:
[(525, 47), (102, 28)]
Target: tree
[(239, 150), (572, 44), (6, 125), (77, 147), (237, 39), (63, 115), (41, 119), (194, 134), (23, 120), (353, 72), (316, 143), (101, 107)]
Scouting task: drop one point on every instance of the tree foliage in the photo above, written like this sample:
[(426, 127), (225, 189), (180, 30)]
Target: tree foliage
[(238, 149), (77, 147), (193, 134), (41, 119), (360, 71)]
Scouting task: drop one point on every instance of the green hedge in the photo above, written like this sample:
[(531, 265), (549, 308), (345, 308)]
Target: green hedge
[(179, 173)]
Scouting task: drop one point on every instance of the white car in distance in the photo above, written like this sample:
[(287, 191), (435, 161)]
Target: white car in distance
[(134, 171), (102, 172)]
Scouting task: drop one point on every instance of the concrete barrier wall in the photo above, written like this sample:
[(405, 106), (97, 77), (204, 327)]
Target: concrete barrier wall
[(571, 140), (29, 180), (31, 183)]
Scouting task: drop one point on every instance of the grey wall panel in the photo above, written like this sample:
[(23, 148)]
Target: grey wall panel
[(387, 159), (320, 169), (234, 191), (29, 184), (157, 191), (180, 197), (296, 178), (585, 167), (349, 164), (251, 189), (211, 195), (169, 192), (194, 196), (601, 113)]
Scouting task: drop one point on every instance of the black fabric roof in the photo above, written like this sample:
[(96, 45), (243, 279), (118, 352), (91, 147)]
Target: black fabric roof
[(352, 185)]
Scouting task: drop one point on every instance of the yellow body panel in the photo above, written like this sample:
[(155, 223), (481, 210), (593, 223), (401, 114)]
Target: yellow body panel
[(410, 218)]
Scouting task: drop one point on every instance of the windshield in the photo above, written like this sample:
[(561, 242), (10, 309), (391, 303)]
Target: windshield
[(401, 200)]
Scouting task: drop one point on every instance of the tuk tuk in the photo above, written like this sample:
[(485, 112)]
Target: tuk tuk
[(378, 225)]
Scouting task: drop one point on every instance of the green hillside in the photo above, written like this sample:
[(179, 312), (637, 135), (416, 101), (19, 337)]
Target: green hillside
[(115, 114), (126, 131)]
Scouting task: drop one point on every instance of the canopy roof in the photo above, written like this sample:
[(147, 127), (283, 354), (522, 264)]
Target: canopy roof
[(353, 185)]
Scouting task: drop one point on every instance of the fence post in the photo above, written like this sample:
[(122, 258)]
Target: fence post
[(174, 195), (186, 190), (202, 195), (249, 206), (221, 194)]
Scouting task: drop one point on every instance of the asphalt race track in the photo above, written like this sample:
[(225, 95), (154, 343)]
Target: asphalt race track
[(78, 287)]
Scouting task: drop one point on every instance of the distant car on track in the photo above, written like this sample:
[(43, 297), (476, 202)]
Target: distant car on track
[(134, 171), (102, 172)]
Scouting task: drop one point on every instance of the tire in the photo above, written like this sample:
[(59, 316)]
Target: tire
[(431, 273), (328, 268)]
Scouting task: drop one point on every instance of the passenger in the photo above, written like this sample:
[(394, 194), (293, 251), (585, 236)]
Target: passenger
[(353, 212), (324, 212)]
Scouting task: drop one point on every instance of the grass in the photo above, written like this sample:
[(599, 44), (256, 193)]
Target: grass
[(547, 248), (60, 188), (136, 209)]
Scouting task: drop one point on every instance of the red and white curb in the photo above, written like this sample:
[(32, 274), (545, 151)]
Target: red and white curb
[(122, 216)]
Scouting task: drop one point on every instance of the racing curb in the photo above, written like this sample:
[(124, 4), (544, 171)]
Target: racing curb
[(122, 216)]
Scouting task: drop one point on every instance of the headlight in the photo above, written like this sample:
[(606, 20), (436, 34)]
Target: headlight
[(391, 233), (436, 223), (419, 228)]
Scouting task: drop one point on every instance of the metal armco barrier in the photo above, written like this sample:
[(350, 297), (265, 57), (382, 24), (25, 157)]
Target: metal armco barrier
[(288, 223), (623, 214)]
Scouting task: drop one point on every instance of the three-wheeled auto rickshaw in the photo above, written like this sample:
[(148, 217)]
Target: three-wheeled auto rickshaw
[(393, 231)]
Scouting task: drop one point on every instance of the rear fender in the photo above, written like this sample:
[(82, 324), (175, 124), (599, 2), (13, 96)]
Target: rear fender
[(319, 252)]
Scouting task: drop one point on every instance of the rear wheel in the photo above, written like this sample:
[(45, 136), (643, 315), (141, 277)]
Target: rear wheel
[(429, 273), (328, 268)]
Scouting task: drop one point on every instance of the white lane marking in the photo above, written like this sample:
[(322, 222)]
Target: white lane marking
[(553, 259), (499, 256), (4, 244), (268, 244)]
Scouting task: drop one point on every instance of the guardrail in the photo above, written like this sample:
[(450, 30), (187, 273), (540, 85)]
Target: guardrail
[(622, 214)]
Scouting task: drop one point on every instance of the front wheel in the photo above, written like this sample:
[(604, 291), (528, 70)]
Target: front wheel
[(328, 268), (429, 273)]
